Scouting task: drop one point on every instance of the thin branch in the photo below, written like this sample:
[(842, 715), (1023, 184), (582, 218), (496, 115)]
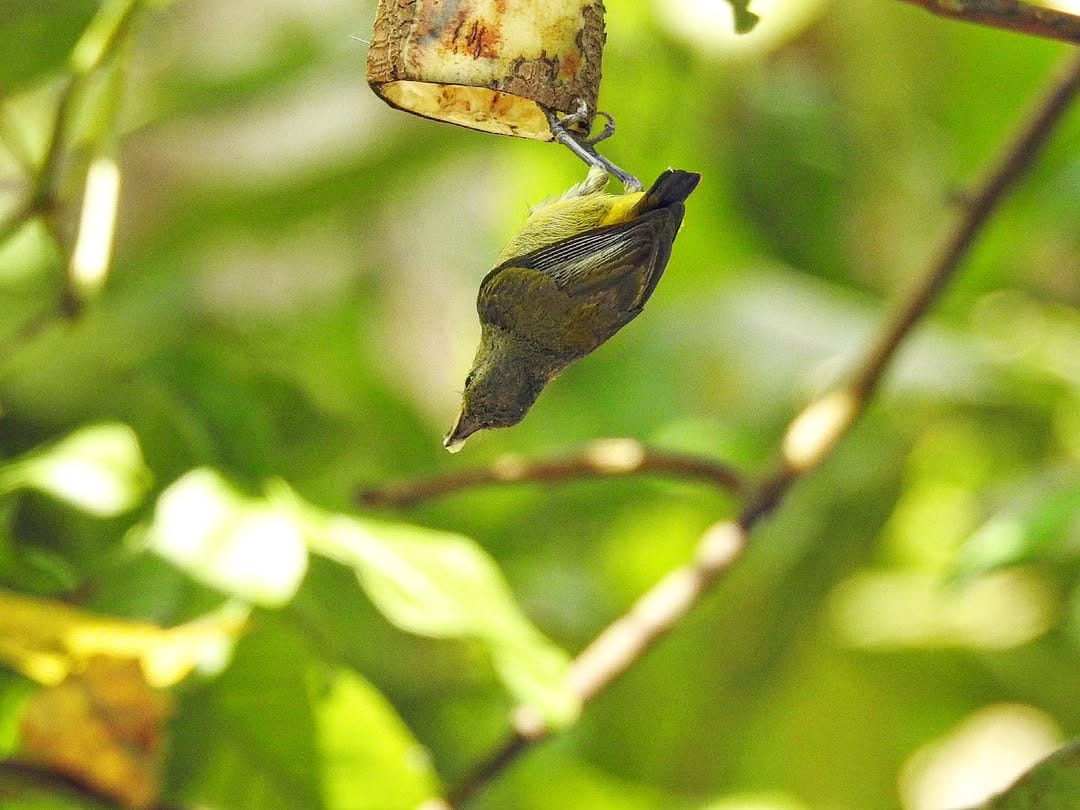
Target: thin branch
[(43, 196), (98, 47), (809, 439), (1003, 174), (47, 180), (605, 458), (1009, 15)]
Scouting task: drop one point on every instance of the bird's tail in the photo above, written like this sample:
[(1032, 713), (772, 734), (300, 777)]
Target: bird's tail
[(671, 187)]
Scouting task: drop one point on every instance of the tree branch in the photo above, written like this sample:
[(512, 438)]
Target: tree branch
[(809, 439), (981, 202), (604, 458), (1009, 15), (103, 39)]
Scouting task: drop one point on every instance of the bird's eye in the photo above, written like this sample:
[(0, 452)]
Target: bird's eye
[(468, 380)]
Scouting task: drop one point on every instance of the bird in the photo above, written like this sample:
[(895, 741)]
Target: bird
[(581, 267)]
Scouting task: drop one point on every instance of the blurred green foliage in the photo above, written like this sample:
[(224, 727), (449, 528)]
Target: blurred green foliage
[(292, 300)]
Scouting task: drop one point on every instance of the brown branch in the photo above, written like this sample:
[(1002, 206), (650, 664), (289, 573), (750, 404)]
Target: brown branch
[(1009, 15), (604, 458), (43, 196), (42, 199), (981, 202), (809, 439)]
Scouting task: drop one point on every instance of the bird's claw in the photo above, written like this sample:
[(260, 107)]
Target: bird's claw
[(577, 118), (584, 147), (607, 132)]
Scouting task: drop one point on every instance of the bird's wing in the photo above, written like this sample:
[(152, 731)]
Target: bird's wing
[(603, 257), (589, 284)]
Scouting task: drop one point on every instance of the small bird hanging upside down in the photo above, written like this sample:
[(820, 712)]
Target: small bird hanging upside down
[(580, 269)]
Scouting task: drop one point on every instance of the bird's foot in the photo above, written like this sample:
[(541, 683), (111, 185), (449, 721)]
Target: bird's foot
[(575, 120), (606, 132), (584, 148)]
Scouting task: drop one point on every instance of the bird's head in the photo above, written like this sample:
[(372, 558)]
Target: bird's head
[(499, 390)]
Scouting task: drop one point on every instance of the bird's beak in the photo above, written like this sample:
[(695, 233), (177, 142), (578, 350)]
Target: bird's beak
[(461, 430)]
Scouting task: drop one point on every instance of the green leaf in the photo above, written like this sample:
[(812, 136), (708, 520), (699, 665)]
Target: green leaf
[(39, 571), (371, 761), (444, 585), (1040, 521), (35, 38), (97, 469), (1053, 784), (428, 583), (251, 548), (248, 741), (14, 692), (535, 671)]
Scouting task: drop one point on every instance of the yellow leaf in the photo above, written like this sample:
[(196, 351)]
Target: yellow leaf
[(47, 640)]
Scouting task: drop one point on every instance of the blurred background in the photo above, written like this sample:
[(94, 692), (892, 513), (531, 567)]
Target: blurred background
[(292, 300)]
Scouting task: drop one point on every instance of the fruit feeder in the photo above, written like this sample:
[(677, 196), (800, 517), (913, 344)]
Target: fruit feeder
[(501, 66)]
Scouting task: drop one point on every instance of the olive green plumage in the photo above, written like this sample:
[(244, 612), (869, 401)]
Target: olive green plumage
[(580, 269)]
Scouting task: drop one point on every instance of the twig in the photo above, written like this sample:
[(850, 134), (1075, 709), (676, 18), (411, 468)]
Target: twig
[(809, 439), (1010, 15), (604, 458), (1003, 173), (97, 47), (41, 199), (43, 194)]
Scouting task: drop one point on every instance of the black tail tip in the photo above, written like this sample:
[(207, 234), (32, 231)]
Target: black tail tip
[(673, 185)]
